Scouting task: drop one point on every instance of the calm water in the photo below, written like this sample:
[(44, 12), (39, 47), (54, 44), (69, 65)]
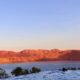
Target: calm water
[(45, 66)]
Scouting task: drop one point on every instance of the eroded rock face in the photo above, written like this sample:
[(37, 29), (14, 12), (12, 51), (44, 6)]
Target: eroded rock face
[(39, 55)]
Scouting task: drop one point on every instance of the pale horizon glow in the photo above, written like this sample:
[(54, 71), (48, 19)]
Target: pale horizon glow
[(39, 24)]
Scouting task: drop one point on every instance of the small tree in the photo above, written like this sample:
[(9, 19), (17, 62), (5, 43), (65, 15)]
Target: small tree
[(18, 71), (35, 70)]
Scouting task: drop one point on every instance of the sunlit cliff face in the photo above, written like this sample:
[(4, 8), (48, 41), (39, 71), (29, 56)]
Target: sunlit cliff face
[(39, 55)]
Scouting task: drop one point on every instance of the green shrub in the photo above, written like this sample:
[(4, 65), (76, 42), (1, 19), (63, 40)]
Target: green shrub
[(17, 71), (35, 70), (25, 71)]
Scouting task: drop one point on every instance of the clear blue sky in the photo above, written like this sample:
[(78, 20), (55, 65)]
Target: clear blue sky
[(40, 24)]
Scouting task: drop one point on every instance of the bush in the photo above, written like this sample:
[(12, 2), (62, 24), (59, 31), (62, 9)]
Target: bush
[(35, 70), (78, 68), (72, 68), (3, 74), (18, 71), (64, 69), (25, 71)]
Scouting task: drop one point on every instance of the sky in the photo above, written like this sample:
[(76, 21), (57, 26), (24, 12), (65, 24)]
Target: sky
[(39, 24)]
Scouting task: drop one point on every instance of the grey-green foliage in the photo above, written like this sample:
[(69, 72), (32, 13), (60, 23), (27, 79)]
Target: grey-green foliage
[(35, 70), (3, 74)]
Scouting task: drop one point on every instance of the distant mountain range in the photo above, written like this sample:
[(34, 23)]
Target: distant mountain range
[(39, 55)]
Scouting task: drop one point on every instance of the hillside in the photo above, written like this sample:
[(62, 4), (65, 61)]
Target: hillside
[(39, 55)]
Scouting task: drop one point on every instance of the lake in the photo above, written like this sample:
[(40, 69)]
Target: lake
[(45, 66)]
